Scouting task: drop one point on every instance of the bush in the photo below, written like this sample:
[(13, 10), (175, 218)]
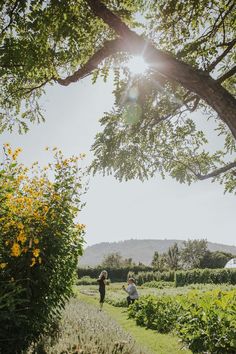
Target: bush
[(205, 276), (39, 246), (158, 313), (206, 322)]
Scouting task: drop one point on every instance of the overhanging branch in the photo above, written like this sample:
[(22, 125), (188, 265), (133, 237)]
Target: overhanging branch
[(217, 172), (109, 48)]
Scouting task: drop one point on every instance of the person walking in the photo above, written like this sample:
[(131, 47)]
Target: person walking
[(131, 290), (102, 287)]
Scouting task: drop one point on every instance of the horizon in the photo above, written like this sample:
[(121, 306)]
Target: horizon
[(159, 239)]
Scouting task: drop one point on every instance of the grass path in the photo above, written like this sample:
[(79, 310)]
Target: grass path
[(157, 343)]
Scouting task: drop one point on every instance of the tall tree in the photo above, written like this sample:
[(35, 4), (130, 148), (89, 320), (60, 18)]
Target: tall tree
[(173, 257), (112, 260), (193, 252), (190, 49)]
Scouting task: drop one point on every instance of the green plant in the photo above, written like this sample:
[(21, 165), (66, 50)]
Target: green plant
[(205, 321), (83, 329), (39, 246)]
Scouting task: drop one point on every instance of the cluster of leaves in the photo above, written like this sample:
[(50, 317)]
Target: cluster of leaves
[(85, 330), (39, 246), (205, 276), (204, 321), (41, 41)]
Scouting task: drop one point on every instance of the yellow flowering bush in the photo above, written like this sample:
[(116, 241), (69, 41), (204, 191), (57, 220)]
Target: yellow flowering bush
[(40, 242)]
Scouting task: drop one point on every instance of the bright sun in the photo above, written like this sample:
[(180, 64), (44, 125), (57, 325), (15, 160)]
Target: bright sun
[(137, 65)]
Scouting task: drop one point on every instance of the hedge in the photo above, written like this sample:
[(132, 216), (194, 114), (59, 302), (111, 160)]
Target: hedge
[(205, 276), (115, 274)]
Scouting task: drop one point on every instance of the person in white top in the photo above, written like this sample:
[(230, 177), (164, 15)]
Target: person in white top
[(131, 290)]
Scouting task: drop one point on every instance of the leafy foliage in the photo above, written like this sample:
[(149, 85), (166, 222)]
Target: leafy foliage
[(39, 246), (204, 321), (151, 128)]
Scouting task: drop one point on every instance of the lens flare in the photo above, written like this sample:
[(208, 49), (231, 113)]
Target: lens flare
[(137, 65)]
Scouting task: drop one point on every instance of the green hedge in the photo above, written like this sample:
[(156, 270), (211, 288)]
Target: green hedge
[(115, 274), (146, 277), (206, 322), (205, 276)]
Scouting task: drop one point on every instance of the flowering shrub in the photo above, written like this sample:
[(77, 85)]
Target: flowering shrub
[(39, 245)]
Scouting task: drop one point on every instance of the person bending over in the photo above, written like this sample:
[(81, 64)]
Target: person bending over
[(131, 290), (102, 287)]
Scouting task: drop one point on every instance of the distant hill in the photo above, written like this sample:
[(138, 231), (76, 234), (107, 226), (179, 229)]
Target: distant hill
[(138, 250)]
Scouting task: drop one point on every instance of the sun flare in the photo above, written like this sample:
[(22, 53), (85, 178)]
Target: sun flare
[(137, 65)]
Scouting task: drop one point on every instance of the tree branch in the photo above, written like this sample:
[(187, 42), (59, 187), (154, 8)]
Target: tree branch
[(109, 48), (221, 57), (217, 172), (227, 75)]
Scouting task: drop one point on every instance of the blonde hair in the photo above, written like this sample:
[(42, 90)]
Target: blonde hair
[(103, 273)]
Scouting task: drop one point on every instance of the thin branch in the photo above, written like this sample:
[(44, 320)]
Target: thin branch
[(109, 48), (217, 172), (221, 57), (227, 75), (11, 17)]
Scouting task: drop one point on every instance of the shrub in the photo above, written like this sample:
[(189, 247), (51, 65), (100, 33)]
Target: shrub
[(39, 247), (206, 322), (159, 313)]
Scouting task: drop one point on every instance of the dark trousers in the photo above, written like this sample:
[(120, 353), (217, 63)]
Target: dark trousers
[(102, 296), (130, 301)]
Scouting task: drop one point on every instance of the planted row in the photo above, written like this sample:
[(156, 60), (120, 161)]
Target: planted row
[(205, 276), (206, 322)]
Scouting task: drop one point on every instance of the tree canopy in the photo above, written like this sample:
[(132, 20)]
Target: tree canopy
[(156, 125)]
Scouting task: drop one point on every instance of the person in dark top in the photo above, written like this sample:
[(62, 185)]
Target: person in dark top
[(102, 287)]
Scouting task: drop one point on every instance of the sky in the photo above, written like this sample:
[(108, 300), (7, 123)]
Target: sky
[(115, 211)]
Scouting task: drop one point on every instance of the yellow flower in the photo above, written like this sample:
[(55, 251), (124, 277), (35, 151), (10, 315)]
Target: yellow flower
[(36, 241), (21, 237), (36, 252), (3, 265), (15, 250), (33, 262)]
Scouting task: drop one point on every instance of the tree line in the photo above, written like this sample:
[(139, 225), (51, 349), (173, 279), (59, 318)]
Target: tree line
[(193, 254)]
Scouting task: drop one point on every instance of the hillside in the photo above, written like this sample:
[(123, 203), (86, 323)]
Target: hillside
[(138, 250)]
